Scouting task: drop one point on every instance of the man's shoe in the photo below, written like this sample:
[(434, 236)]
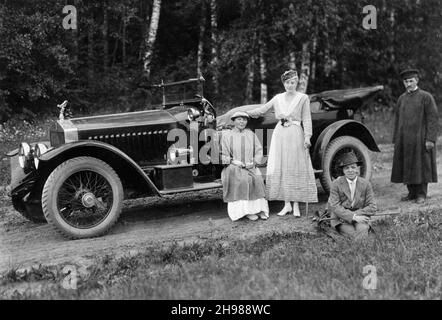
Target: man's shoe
[(420, 200), (408, 198)]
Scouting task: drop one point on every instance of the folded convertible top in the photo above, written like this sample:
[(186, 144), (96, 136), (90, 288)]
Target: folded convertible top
[(347, 98)]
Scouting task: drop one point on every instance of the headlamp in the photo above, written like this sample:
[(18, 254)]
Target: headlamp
[(39, 149), (24, 154), (193, 114)]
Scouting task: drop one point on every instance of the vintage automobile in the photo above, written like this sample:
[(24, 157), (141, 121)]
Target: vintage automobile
[(77, 181)]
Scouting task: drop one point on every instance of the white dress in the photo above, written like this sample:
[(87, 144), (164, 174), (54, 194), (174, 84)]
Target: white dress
[(290, 175)]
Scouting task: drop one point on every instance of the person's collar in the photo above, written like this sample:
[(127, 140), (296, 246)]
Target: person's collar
[(235, 129), (411, 91), (351, 181)]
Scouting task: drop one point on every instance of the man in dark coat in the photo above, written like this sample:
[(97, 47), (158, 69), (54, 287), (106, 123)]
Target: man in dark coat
[(414, 138)]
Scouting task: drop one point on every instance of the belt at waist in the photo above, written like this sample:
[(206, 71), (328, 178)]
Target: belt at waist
[(295, 122)]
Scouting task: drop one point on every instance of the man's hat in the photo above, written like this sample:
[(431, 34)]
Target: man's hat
[(239, 114), (409, 73), (349, 158)]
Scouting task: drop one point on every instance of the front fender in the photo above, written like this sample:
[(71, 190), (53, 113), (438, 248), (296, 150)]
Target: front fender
[(341, 128), (117, 159)]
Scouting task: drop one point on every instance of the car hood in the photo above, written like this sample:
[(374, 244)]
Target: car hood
[(142, 118)]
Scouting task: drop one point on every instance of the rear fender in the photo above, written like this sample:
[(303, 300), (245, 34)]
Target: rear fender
[(342, 128), (123, 165)]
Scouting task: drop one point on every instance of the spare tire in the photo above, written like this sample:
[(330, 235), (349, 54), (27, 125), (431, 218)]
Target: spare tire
[(332, 156)]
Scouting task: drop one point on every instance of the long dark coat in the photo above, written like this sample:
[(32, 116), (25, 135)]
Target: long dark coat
[(416, 120)]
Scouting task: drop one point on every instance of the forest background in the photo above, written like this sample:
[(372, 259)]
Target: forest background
[(240, 47)]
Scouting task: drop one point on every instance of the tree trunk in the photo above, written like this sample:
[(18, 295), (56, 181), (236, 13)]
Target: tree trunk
[(263, 71), (145, 17), (214, 61), (75, 39), (123, 39), (114, 52), (292, 61), (305, 68), (314, 55), (105, 38), (200, 53), (250, 78), (90, 51), (150, 41)]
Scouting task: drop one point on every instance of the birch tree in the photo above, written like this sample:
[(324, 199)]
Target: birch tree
[(105, 38), (305, 68), (250, 77), (202, 32), (90, 50), (263, 70), (214, 60), (150, 40)]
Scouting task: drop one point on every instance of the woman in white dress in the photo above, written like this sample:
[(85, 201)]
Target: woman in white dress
[(243, 187), (290, 175)]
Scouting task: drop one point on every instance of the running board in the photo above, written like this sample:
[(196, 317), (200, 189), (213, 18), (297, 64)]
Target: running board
[(196, 187)]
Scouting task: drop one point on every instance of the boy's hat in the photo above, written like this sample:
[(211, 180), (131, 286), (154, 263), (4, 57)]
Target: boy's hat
[(349, 158)]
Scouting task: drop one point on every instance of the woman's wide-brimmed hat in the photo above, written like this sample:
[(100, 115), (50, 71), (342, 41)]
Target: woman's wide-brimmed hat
[(349, 158), (239, 114)]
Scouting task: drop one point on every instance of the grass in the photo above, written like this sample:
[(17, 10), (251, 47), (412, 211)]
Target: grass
[(406, 254)]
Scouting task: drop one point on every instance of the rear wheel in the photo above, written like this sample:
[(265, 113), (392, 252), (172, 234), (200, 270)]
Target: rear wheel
[(332, 156), (82, 197)]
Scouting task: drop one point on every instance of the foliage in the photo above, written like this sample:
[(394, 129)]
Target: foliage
[(42, 64)]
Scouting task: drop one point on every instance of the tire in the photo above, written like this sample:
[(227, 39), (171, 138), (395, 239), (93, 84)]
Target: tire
[(82, 198), (336, 148)]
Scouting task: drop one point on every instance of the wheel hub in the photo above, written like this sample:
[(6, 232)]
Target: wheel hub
[(88, 200)]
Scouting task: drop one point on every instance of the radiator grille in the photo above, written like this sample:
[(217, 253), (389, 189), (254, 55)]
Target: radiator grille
[(139, 145)]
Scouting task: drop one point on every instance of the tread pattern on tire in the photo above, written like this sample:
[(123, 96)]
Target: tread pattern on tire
[(45, 196)]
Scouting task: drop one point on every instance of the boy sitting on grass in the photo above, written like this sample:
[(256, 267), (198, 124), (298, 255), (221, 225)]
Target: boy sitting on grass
[(351, 201)]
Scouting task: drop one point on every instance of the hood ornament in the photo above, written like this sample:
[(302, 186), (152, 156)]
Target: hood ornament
[(62, 108)]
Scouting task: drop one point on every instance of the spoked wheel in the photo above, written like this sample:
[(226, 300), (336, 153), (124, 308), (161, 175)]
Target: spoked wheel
[(82, 197), (333, 155)]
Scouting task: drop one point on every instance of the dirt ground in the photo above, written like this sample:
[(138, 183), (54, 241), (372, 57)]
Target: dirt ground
[(182, 218)]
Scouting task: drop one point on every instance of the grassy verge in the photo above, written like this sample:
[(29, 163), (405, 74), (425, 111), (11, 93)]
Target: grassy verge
[(406, 254)]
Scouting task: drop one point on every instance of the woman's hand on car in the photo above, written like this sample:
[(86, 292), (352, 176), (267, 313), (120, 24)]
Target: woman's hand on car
[(307, 143)]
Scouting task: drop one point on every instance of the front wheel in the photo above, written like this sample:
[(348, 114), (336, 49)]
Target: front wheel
[(332, 156), (82, 197)]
